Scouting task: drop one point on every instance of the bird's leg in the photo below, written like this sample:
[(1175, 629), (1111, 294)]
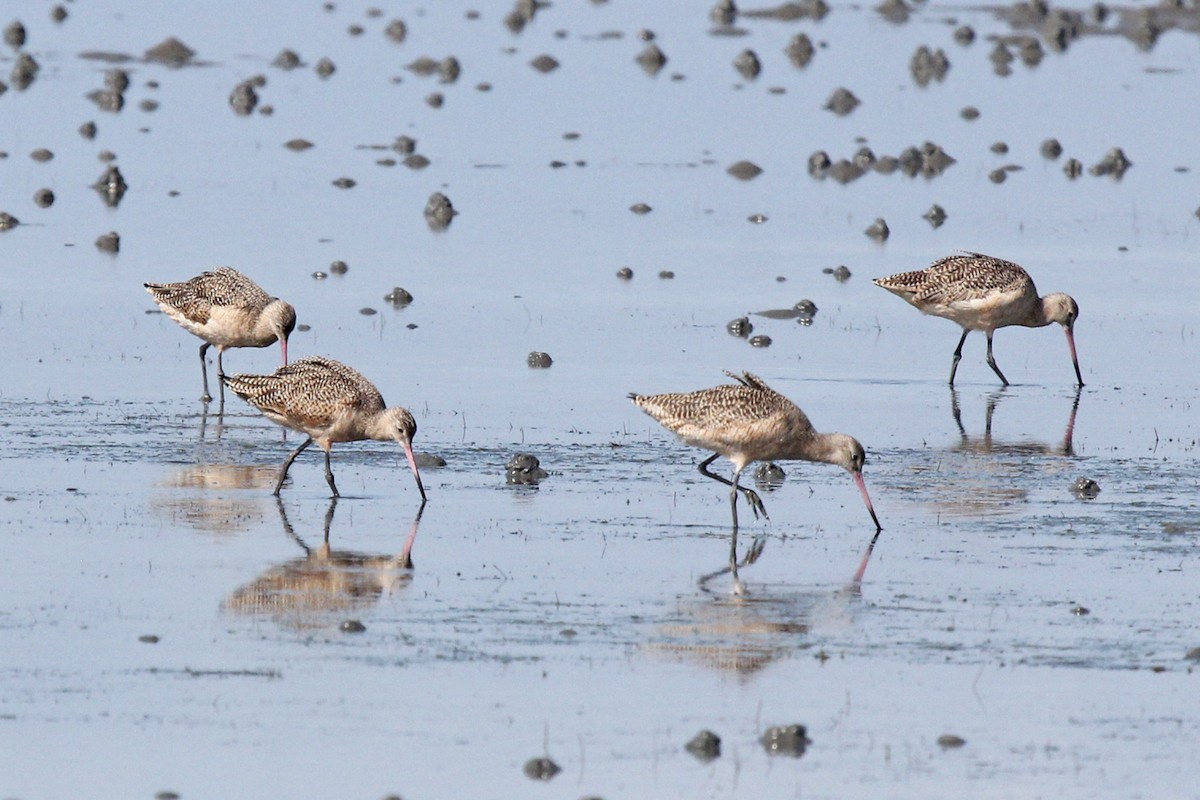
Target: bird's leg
[(992, 361), (288, 463), (756, 503), (329, 475), (206, 397), (958, 355), (221, 374)]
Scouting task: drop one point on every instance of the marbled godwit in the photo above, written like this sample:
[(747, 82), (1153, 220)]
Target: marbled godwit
[(225, 308), (329, 402), (749, 421), (982, 293)]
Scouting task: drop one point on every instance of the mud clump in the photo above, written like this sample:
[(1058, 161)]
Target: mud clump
[(41, 155), (243, 98), (14, 34), (894, 11), (949, 741), (969, 113), (396, 30), (1114, 163), (111, 186), (539, 360), (747, 65), (800, 51), (740, 327), (818, 164), (745, 170), (769, 476), (439, 212), (928, 66), (705, 746), (298, 145), (786, 740), (878, 230), (544, 63), (723, 13), (24, 71), (1085, 488), (107, 100), (398, 298), (170, 51), (109, 242), (287, 60), (842, 102), (651, 59), (541, 769), (524, 469)]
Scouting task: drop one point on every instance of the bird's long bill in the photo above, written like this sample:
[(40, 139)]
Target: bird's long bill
[(412, 462), (1074, 358), (862, 487), (283, 346)]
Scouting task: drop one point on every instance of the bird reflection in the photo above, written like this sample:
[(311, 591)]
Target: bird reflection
[(743, 633), (205, 505), (321, 587), (987, 444), (987, 475)]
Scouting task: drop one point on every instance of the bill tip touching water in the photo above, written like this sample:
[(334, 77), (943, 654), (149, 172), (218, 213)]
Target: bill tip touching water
[(749, 421), (329, 402), (983, 293)]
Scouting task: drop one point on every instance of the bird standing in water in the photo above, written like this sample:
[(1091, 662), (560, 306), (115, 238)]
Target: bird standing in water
[(329, 402), (982, 293), (225, 308), (749, 421)]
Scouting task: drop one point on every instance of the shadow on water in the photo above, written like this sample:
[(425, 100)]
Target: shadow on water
[(319, 588)]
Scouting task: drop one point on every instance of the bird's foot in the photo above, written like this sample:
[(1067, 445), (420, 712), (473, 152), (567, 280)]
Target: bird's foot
[(756, 504)]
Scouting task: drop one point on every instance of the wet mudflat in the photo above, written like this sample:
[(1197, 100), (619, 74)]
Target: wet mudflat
[(175, 629)]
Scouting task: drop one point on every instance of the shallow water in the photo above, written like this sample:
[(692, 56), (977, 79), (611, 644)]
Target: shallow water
[(568, 619)]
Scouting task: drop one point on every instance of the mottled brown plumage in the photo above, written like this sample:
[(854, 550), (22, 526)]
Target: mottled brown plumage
[(330, 402), (749, 421), (225, 308), (982, 293)]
